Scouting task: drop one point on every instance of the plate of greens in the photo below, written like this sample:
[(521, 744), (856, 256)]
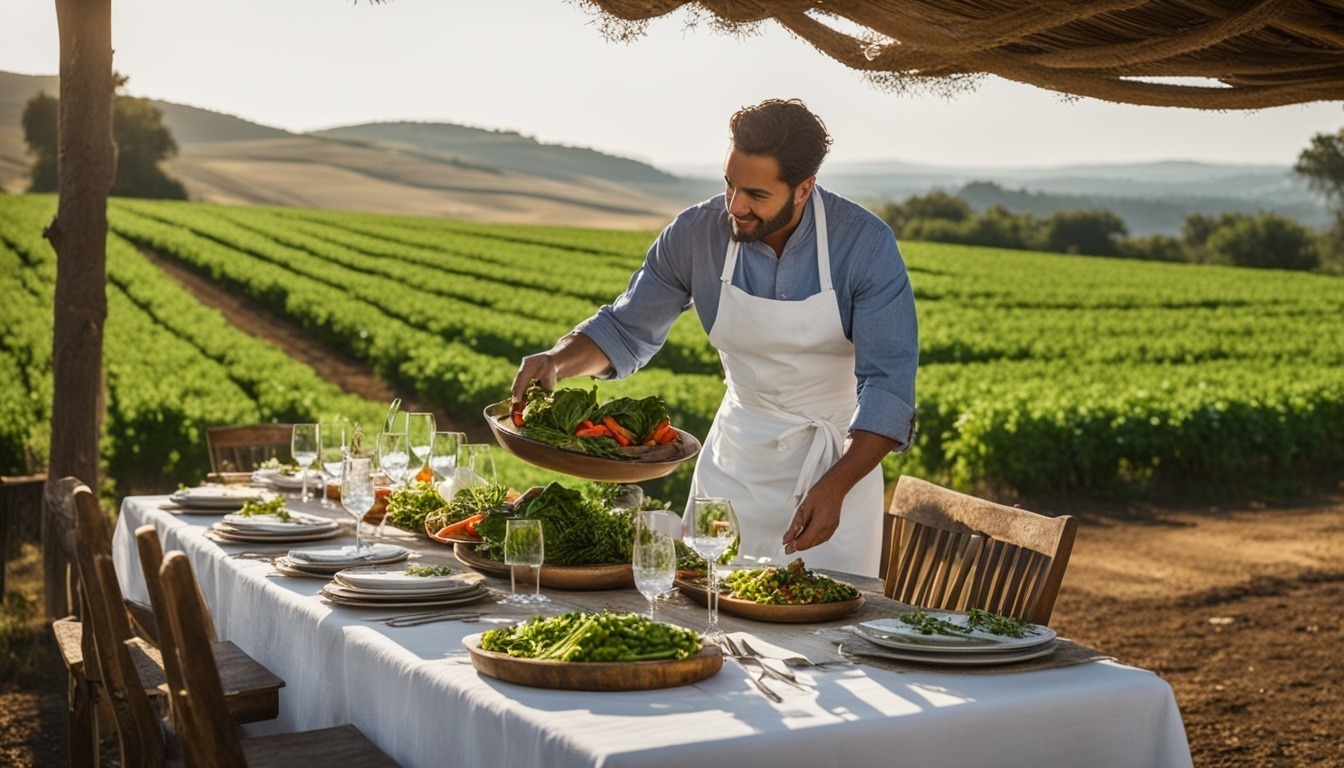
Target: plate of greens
[(788, 595), (973, 631), (594, 652), (624, 440)]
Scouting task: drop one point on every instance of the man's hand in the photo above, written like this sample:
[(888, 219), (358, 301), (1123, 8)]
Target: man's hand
[(573, 355), (540, 368), (817, 517)]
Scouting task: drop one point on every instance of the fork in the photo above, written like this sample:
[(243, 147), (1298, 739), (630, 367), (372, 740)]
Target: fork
[(737, 653), (430, 618), (797, 662)]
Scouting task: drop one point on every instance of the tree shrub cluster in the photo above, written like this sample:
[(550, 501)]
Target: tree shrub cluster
[(1264, 240)]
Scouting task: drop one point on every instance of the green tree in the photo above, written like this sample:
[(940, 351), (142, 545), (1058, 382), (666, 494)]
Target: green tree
[(1155, 248), (935, 205), (1094, 232), (1322, 164), (1267, 241), (39, 131), (142, 142)]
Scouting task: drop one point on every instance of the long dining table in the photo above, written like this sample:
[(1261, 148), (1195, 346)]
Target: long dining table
[(414, 692)]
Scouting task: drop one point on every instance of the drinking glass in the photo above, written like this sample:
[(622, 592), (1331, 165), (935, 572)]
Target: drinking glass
[(305, 443), (523, 545), (333, 438), (443, 454), (393, 456), (654, 555), (357, 493), (420, 437), (709, 527), (475, 466)]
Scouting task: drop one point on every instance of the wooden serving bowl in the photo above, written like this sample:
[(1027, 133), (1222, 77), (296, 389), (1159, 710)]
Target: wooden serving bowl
[(595, 676), (637, 470), (574, 578), (779, 614)]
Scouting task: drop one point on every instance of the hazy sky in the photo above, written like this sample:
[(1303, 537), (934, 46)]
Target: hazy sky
[(541, 67)]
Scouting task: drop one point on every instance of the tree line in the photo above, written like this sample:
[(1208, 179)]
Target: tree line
[(1265, 240)]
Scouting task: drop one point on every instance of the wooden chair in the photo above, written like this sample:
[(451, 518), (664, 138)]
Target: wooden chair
[(244, 448), (955, 552), (251, 690), (207, 741), (125, 672)]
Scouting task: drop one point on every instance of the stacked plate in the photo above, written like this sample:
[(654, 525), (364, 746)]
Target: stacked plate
[(287, 482), (217, 498), (290, 527), (401, 586), (323, 562), (902, 641)]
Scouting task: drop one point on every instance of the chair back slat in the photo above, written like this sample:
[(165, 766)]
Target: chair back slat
[(244, 448), (199, 701), (954, 551), (138, 730)]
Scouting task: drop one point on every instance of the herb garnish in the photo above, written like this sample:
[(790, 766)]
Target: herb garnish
[(999, 625), (274, 507), (429, 570), (932, 625)]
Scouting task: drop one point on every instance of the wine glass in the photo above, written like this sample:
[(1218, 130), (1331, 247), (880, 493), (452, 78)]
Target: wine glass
[(654, 555), (305, 443), (523, 545), (357, 493), (443, 460), (333, 440), (475, 466), (710, 527), (420, 437), (393, 456)]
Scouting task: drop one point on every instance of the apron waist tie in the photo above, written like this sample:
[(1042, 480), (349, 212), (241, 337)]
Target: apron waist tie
[(827, 442)]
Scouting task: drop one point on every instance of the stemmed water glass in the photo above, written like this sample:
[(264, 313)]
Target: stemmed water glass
[(304, 444), (443, 457), (709, 527), (654, 555), (393, 456), (333, 440), (357, 493), (420, 438), (475, 466), (523, 545)]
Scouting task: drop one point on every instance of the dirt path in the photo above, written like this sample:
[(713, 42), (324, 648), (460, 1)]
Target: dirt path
[(346, 372)]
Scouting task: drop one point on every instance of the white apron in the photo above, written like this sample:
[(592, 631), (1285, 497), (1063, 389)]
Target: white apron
[(783, 422)]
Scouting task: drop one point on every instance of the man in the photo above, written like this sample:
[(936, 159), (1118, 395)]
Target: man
[(807, 300)]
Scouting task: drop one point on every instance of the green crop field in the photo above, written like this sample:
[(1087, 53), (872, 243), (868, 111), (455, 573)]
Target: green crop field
[(1039, 373)]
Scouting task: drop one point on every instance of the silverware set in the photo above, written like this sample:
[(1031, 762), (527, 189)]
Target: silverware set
[(430, 617)]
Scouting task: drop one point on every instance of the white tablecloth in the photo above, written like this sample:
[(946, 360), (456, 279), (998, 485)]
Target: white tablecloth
[(414, 692)]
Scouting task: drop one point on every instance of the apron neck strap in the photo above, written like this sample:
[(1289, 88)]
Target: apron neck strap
[(823, 247)]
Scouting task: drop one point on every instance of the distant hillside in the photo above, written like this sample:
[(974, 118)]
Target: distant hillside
[(227, 159)]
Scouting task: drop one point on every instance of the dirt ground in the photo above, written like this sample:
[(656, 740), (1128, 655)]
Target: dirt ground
[(1238, 609)]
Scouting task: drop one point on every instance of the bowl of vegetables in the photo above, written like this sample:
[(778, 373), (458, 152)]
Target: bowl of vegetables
[(624, 440), (789, 595), (594, 652)]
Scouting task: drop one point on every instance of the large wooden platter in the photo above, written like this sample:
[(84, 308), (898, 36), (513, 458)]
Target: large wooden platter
[(659, 462), (779, 614), (595, 676), (566, 577)]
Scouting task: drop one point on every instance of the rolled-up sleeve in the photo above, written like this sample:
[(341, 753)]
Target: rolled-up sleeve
[(886, 344), (634, 326)]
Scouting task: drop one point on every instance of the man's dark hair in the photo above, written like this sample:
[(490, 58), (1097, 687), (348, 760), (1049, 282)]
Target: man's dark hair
[(786, 131)]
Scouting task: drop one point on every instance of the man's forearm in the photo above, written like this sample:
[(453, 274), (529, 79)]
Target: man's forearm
[(576, 354)]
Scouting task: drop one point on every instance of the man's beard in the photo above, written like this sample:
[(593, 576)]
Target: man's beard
[(764, 228)]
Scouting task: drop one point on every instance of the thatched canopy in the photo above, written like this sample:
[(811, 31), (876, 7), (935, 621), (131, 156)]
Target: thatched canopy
[(1246, 55)]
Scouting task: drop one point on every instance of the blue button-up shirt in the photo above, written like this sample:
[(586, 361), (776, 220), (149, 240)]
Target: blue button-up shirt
[(877, 306)]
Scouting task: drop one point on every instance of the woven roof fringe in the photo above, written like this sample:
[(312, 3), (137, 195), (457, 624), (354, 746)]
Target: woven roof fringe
[(1251, 54)]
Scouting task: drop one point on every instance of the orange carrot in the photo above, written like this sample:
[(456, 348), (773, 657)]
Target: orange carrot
[(462, 529)]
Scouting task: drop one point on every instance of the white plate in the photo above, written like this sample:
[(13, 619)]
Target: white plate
[(385, 578), (968, 659), (288, 482), (894, 633), (344, 557), (218, 497), (336, 590), (294, 537), (298, 521), (474, 597)]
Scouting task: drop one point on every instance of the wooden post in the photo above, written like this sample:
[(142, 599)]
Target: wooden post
[(60, 572), (20, 515), (86, 167)]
